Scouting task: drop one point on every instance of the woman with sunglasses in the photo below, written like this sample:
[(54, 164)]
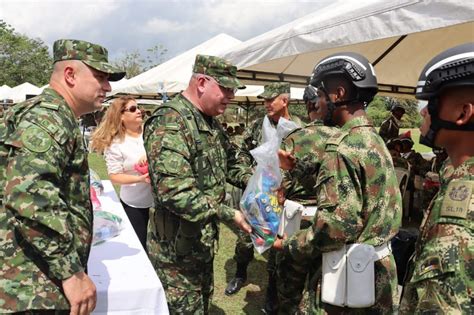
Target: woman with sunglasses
[(119, 138)]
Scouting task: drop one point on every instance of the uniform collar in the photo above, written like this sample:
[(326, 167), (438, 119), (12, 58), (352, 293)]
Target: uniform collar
[(200, 120), (449, 173), (359, 121)]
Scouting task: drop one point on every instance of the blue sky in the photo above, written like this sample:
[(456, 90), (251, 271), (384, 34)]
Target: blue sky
[(127, 25)]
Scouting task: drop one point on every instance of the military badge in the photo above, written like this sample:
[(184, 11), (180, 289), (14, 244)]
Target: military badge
[(457, 200), (36, 139)]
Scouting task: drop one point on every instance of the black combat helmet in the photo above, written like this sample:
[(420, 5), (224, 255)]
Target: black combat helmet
[(310, 94), (354, 67), (451, 68)]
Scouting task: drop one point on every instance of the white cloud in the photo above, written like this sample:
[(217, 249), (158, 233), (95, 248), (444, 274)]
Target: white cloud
[(163, 26), (56, 19)]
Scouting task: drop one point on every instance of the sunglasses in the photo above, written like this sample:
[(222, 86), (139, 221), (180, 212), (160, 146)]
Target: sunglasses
[(228, 90), (131, 109)]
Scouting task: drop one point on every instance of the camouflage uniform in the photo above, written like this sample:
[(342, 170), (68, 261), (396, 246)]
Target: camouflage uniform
[(188, 156), (389, 128), (358, 202), (46, 218), (308, 145), (442, 271)]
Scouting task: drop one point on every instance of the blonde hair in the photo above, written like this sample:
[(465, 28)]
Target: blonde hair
[(111, 126)]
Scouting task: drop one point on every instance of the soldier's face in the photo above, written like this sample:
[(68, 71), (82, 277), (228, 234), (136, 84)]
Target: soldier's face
[(215, 97), (91, 87), (276, 106)]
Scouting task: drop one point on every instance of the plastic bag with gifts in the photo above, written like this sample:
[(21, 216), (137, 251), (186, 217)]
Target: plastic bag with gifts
[(106, 226), (95, 182), (259, 202)]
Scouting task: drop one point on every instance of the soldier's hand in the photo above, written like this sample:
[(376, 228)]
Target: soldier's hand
[(278, 244), (81, 293), (287, 160), (239, 220)]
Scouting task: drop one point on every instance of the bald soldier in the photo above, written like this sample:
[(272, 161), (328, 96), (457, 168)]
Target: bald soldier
[(46, 215), (189, 153)]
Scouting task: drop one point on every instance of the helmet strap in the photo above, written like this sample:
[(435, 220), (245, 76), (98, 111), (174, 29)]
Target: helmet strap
[(438, 124)]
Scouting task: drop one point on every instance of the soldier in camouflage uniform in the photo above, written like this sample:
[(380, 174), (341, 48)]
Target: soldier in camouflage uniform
[(390, 127), (306, 144), (46, 217), (189, 154), (356, 189), (276, 96), (441, 278)]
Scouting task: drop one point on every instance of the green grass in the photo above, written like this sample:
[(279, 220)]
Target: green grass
[(250, 299)]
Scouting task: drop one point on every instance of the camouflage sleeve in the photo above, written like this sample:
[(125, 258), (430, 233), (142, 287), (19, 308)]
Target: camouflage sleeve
[(339, 199), (33, 196), (242, 169), (169, 157)]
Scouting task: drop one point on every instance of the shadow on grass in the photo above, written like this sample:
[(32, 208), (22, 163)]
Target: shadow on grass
[(216, 310), (254, 288)]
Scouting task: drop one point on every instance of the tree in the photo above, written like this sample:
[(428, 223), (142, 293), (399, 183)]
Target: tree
[(22, 59), (379, 110), (133, 63)]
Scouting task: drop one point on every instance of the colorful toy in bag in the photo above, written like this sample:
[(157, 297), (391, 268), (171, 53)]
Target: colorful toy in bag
[(263, 211), (259, 202), (106, 226), (96, 205)]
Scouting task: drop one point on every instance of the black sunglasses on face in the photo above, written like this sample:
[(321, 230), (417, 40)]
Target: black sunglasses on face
[(131, 109)]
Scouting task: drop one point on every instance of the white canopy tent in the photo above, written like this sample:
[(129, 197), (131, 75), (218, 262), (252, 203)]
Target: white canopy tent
[(173, 75), (399, 37), (4, 91), (19, 92)]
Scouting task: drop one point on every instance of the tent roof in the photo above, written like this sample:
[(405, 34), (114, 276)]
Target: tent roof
[(19, 92), (399, 37), (173, 75)]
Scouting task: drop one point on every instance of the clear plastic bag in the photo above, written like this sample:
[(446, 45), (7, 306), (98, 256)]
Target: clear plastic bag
[(95, 182), (106, 226), (259, 202)]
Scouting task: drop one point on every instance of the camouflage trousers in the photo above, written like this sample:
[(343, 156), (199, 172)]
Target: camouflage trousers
[(183, 300), (293, 277), (386, 293), (244, 252), (436, 296), (188, 281)]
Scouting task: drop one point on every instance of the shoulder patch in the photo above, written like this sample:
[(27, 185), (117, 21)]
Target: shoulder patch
[(36, 139), (334, 141), (49, 105), (458, 200)]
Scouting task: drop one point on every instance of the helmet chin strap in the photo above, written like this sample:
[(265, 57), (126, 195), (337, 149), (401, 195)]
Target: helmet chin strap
[(437, 124)]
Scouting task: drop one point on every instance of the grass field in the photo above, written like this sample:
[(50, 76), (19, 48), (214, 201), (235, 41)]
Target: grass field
[(250, 299)]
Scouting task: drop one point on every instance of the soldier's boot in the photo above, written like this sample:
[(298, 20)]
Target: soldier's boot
[(238, 281), (271, 297)]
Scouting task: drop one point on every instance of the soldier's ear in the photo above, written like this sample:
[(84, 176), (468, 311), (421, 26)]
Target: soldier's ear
[(466, 114), (69, 75)]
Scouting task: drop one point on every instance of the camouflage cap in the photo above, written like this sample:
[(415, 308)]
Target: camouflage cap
[(92, 55), (221, 70), (272, 90)]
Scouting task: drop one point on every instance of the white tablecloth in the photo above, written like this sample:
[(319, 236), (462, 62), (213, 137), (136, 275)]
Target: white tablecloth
[(125, 279)]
